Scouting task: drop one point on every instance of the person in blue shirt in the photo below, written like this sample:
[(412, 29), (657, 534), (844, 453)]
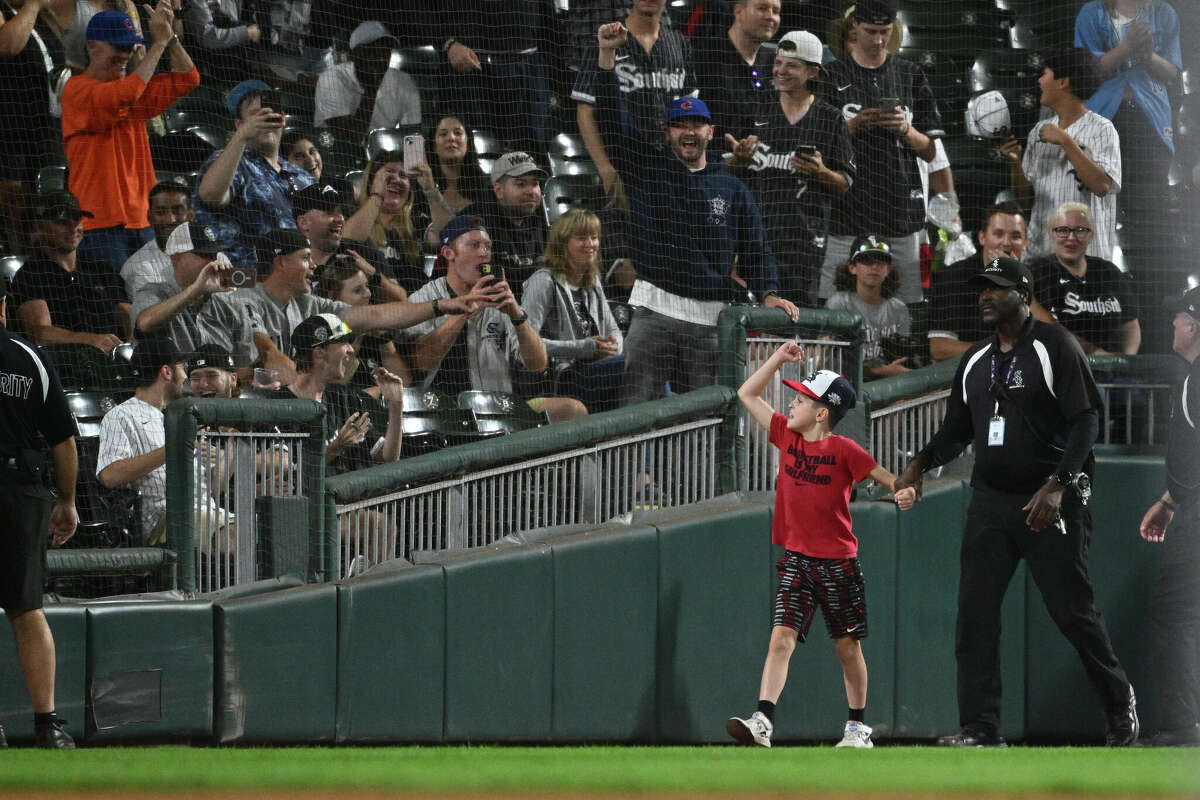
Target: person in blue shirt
[(1137, 42), (245, 190)]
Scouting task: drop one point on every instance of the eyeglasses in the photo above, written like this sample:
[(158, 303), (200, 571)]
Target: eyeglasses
[(1063, 231)]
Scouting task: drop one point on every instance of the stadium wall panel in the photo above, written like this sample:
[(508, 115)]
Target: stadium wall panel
[(391, 655), (68, 624)]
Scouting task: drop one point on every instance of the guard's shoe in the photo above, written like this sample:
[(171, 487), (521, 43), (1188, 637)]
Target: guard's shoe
[(1123, 726), (754, 731), (3, 741), (1180, 737), (53, 735), (972, 737), (856, 734)]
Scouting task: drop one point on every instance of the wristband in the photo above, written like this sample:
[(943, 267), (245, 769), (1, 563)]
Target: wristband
[(1168, 504), (521, 320), (769, 293), (173, 40), (437, 311)]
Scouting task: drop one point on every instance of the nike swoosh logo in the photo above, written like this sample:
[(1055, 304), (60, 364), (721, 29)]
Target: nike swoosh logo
[(1062, 281), (760, 124), (621, 58), (844, 88), (852, 629)]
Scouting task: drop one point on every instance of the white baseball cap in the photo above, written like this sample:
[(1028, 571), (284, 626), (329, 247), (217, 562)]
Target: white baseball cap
[(802, 45)]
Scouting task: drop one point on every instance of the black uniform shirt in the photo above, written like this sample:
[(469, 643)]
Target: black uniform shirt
[(1183, 443), (1047, 382), (887, 197), (729, 86), (954, 303), (647, 82), (31, 398), (1094, 306), (518, 243), (796, 210)]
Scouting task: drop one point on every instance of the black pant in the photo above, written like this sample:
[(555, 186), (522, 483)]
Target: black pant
[(1175, 621), (24, 524), (994, 540)]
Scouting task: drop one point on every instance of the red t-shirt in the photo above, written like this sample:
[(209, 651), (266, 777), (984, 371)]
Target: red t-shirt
[(812, 493)]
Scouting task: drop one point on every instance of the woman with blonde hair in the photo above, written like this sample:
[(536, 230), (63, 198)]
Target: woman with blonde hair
[(390, 218), (566, 305)]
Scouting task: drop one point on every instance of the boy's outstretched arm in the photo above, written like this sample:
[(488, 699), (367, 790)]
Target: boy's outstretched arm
[(751, 392), (904, 497)]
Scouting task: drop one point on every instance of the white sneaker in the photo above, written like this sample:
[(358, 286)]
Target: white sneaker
[(856, 735), (756, 730)]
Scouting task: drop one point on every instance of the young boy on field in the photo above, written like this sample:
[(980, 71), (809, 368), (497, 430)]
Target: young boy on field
[(817, 470)]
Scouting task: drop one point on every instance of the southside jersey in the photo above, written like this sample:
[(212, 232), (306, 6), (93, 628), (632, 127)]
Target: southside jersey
[(795, 209), (887, 197)]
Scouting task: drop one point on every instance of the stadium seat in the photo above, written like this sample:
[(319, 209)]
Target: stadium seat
[(564, 192), (433, 421), (107, 517), (418, 60), (52, 178), (947, 76), (186, 150), (8, 269), (498, 413), (1043, 26), (180, 119), (382, 141), (186, 180), (488, 148), (952, 29), (980, 173), (338, 154), (299, 103), (622, 313), (569, 156), (354, 178)]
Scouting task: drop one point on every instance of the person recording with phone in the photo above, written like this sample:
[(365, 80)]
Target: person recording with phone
[(195, 308), (891, 114), (245, 189), (797, 159)]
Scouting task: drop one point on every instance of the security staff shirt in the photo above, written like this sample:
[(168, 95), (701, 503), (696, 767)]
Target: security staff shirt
[(32, 402), (1040, 385), (887, 198), (1183, 443)]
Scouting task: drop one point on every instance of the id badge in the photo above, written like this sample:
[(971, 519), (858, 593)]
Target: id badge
[(996, 432)]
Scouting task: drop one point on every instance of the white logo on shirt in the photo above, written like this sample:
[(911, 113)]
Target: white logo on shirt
[(717, 209)]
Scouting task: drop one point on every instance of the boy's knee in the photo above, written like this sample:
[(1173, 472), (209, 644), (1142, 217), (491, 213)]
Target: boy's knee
[(783, 641)]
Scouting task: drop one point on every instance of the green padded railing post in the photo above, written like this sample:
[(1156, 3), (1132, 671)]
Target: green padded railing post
[(185, 417), (732, 327)]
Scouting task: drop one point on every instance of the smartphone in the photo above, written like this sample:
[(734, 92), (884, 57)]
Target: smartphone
[(806, 149), (490, 276), (272, 99), (889, 104), (243, 277), (414, 151)]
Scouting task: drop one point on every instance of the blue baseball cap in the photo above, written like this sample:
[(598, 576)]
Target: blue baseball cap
[(238, 93), (463, 223), (113, 27), (684, 107)]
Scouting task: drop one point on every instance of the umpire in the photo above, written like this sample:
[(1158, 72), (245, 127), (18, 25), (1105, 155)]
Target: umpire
[(1174, 520), (1027, 400), (32, 403)]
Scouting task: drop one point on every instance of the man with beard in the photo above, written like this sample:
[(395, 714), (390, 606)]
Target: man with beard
[(692, 222), (514, 217), (1026, 399), (170, 206), (61, 299), (797, 160), (133, 438)]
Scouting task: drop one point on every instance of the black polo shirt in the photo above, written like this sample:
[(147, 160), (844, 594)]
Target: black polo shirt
[(518, 243), (84, 300), (32, 402), (1183, 442), (729, 86), (1047, 382), (1093, 307)]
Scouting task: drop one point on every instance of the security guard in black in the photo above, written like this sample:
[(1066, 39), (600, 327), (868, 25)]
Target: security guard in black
[(1027, 400)]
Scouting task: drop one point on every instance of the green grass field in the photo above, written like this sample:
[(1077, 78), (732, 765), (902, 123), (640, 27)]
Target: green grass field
[(611, 771)]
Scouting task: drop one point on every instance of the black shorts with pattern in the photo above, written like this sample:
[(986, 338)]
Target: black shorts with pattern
[(834, 584)]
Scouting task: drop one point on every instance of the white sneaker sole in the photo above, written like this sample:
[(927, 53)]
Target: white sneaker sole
[(738, 729)]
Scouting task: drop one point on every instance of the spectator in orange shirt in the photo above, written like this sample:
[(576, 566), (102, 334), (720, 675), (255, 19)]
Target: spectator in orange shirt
[(104, 113)]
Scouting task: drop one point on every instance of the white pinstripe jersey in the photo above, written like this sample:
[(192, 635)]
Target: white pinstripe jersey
[(1054, 183)]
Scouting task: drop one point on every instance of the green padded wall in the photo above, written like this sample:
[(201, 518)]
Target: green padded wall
[(276, 666), (150, 670), (714, 620), (499, 649), (1123, 567), (605, 605), (391, 655), (68, 624), (927, 598)]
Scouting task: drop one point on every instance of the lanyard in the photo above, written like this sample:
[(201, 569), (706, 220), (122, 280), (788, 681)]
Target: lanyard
[(1012, 366)]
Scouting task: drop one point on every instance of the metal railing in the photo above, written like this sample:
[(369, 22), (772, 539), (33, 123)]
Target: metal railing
[(233, 469), (898, 431), (664, 468)]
